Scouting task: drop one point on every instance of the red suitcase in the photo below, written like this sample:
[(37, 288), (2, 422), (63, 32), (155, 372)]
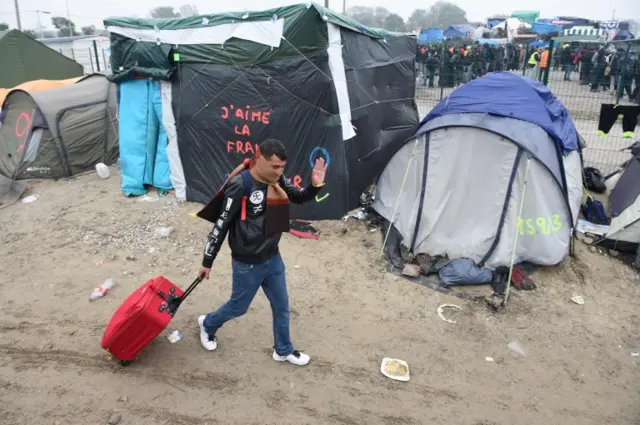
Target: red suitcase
[(142, 316)]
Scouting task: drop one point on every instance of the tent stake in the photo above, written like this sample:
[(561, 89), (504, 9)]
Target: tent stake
[(395, 209), (515, 241)]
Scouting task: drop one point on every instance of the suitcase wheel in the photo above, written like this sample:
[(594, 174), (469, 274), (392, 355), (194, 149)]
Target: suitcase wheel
[(125, 363)]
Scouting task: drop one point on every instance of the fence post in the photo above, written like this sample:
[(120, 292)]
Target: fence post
[(620, 92), (104, 61), (95, 51), (91, 61), (545, 77), (442, 50), (526, 60)]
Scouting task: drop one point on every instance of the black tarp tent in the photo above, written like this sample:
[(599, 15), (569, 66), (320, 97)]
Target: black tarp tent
[(316, 80)]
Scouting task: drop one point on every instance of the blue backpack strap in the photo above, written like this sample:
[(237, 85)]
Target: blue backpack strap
[(247, 183)]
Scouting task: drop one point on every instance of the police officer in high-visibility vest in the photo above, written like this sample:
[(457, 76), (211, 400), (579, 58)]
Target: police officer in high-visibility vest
[(532, 64), (544, 62)]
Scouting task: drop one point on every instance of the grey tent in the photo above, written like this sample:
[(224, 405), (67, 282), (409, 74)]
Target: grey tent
[(56, 133), (456, 187), (624, 208)]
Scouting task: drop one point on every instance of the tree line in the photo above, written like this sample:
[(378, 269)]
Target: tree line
[(441, 14)]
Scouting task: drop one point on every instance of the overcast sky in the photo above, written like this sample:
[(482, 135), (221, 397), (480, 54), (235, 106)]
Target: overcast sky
[(86, 12)]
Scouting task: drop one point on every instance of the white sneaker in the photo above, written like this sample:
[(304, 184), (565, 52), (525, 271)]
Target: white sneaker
[(297, 358), (209, 342)]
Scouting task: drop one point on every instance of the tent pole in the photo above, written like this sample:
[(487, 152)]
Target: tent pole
[(517, 233), (395, 209)]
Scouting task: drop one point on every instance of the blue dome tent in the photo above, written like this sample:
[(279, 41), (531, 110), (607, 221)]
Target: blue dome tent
[(466, 167)]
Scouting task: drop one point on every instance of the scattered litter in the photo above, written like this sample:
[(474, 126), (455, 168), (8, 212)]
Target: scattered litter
[(578, 299), (303, 229), (395, 369), (614, 253), (489, 359), (124, 398), (358, 214), (635, 354), (521, 281), (29, 199), (192, 214), (515, 346), (373, 230), (115, 418), (430, 265), (99, 263), (148, 198), (296, 266), (163, 232), (585, 226), (103, 171), (102, 290), (174, 337), (411, 270), (441, 312)]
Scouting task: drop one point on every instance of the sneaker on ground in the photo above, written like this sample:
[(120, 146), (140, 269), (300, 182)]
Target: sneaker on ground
[(297, 358), (209, 342)]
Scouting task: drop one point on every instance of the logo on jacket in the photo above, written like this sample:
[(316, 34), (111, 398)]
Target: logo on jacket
[(257, 197)]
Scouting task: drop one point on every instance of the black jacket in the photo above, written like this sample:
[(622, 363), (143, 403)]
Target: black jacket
[(247, 238)]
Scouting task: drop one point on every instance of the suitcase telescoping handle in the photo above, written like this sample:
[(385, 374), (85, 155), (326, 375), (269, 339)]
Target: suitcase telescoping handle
[(175, 303)]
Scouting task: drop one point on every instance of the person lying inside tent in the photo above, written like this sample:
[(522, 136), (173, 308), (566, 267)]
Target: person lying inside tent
[(253, 206)]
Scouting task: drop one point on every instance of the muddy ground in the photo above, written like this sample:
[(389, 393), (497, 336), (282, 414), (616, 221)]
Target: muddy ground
[(347, 314)]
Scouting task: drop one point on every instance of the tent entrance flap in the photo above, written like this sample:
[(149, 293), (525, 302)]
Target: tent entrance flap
[(15, 133)]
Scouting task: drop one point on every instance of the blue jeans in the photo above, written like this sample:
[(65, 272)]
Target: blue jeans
[(247, 279), (568, 67)]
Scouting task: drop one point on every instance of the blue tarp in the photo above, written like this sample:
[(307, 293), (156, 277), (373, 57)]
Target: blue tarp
[(431, 35), (143, 142), (458, 31), (538, 43), (493, 22), (509, 95), (491, 41), (540, 28)]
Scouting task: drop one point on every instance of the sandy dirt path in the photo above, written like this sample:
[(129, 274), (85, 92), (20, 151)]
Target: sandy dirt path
[(347, 314)]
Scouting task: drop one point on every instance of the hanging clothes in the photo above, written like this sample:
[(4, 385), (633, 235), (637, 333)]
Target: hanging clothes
[(609, 114)]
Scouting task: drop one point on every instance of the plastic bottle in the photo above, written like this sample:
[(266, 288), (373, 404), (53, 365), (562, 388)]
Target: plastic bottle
[(102, 290)]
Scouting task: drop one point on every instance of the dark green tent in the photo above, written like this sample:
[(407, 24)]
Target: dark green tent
[(25, 59)]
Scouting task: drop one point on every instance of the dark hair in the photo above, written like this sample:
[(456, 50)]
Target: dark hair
[(272, 147)]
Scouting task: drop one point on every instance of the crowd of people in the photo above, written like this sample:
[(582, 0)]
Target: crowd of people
[(456, 65), (601, 67)]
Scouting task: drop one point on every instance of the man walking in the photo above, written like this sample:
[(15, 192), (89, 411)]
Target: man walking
[(255, 220)]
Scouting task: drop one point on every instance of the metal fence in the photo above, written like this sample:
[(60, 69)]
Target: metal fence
[(573, 84), (92, 57)]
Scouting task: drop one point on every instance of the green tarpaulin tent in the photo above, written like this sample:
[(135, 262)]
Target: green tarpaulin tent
[(25, 59), (151, 47), (526, 15)]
